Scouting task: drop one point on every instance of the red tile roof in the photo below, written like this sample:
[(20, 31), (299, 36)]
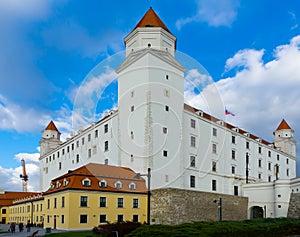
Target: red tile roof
[(51, 126), (96, 173), (227, 125), (151, 19), (283, 125), (7, 198)]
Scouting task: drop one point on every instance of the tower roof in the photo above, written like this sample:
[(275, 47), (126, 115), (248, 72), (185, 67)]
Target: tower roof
[(283, 125), (151, 19), (51, 126)]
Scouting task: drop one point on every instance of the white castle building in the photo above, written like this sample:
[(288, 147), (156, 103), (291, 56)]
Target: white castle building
[(185, 147)]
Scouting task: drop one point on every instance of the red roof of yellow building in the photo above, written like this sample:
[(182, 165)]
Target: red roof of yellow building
[(283, 125), (94, 174), (151, 19), (7, 198)]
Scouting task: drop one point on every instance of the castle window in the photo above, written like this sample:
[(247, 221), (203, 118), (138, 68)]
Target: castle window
[(259, 176), (47, 160), (102, 219), (131, 135), (214, 148), (166, 93), (287, 172), (120, 202), (58, 154), (269, 166), (53, 156), (277, 157), (149, 45), (63, 151), (233, 169), (214, 185), (106, 126), (259, 150), (214, 131), (165, 130), (83, 201), (59, 165), (279, 206), (192, 161), (82, 141), (72, 146), (106, 161), (83, 219), (68, 149), (269, 153), (247, 145), (233, 139), (96, 133), (166, 108), (193, 141), (259, 163), (135, 203), (77, 144), (132, 93), (102, 202), (193, 123), (192, 181), (165, 153), (236, 190), (214, 166), (77, 158), (287, 161), (89, 137), (167, 77), (233, 154), (106, 146), (89, 153), (132, 108)]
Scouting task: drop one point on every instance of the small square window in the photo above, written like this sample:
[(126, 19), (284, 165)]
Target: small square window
[(233, 169), (120, 203), (83, 219), (167, 108), (165, 130), (102, 218), (167, 77), (132, 108), (165, 153)]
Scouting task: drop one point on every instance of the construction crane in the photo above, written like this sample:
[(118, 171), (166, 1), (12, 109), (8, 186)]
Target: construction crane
[(24, 177)]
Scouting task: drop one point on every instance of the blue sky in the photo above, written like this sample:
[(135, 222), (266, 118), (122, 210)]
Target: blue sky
[(47, 48)]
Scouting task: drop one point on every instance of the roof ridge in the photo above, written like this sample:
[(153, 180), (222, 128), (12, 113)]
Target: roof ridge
[(51, 126)]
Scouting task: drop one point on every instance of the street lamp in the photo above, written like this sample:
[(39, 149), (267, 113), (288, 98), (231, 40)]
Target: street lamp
[(219, 208), (138, 175)]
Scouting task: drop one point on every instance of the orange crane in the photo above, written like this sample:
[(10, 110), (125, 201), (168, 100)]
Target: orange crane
[(24, 177)]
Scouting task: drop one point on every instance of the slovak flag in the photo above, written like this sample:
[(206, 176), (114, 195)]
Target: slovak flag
[(227, 112)]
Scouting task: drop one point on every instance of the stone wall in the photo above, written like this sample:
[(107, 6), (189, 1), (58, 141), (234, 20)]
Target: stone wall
[(294, 206), (174, 206)]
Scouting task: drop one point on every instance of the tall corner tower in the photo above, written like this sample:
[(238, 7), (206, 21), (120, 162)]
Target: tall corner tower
[(50, 139), (284, 138), (151, 100)]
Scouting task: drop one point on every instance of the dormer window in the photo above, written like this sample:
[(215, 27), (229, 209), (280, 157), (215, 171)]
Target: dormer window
[(118, 185), (132, 186), (58, 184), (51, 186), (86, 182), (102, 184), (65, 182)]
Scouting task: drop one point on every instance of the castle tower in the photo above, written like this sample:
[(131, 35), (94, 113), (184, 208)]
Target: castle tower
[(50, 139), (284, 138), (151, 101)]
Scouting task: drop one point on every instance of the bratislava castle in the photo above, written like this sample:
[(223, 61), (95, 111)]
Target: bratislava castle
[(152, 127)]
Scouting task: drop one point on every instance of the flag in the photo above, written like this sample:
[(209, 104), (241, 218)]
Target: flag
[(227, 112)]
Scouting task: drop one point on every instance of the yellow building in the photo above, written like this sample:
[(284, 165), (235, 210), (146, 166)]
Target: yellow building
[(95, 194), (89, 196)]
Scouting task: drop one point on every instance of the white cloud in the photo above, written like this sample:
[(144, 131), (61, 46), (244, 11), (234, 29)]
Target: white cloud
[(213, 12), (261, 93)]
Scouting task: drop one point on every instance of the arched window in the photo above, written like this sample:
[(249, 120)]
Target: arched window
[(86, 182), (102, 184), (118, 185)]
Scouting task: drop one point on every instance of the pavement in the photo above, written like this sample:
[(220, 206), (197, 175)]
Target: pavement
[(42, 231)]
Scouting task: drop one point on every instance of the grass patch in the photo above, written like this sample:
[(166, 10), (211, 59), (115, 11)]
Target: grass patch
[(259, 227), (73, 234)]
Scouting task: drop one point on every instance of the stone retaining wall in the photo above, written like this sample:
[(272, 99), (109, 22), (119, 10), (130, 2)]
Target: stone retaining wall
[(174, 206), (294, 206)]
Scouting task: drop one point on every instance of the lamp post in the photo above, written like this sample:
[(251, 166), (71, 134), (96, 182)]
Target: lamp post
[(219, 208), (138, 175)]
